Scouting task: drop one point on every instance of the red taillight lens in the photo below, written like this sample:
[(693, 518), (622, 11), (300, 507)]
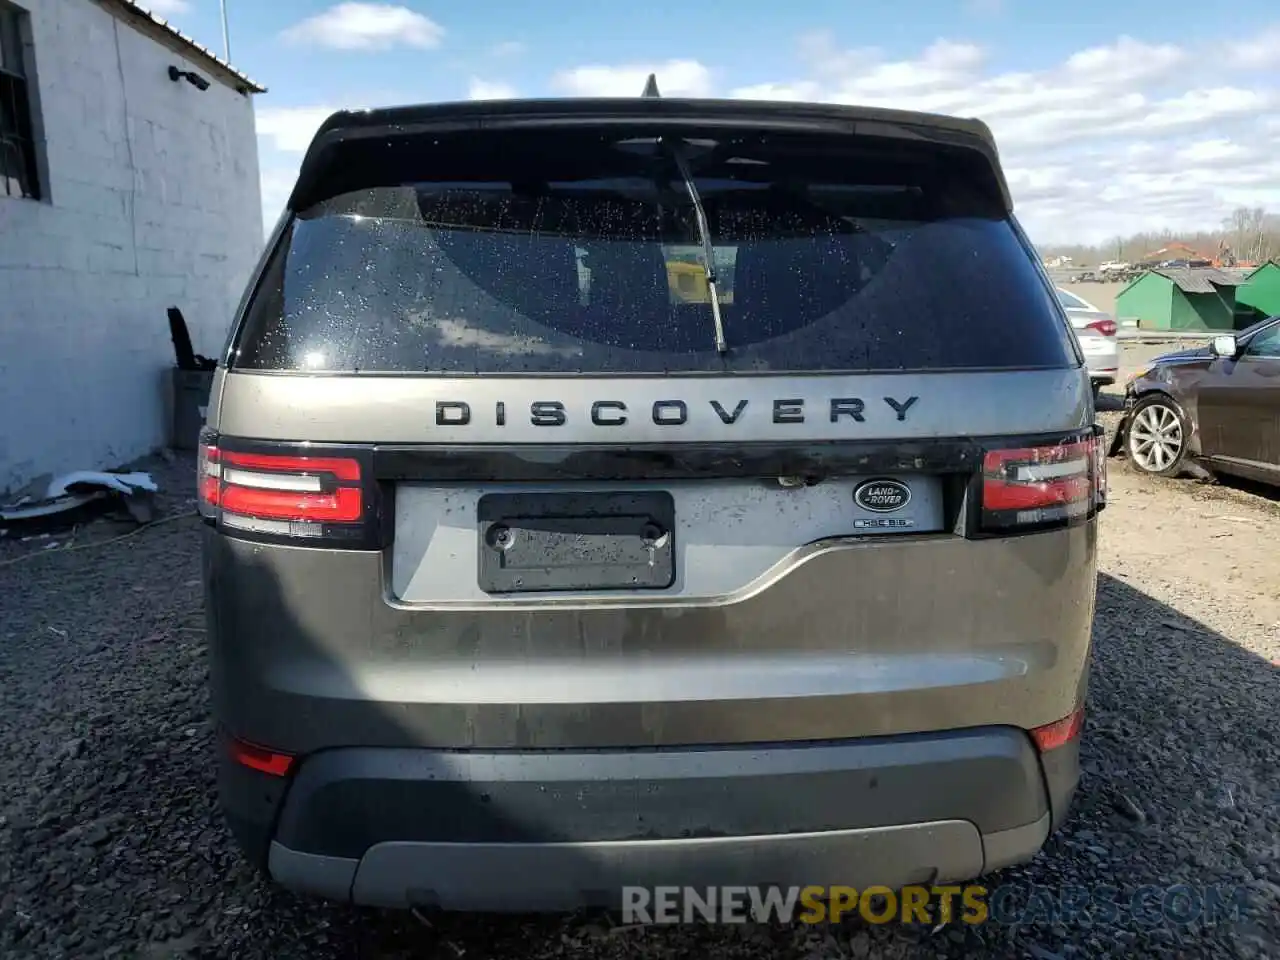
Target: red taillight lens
[(1034, 485), (339, 467), (259, 758), (286, 495), (208, 469), (1059, 733), (1105, 327), (344, 505)]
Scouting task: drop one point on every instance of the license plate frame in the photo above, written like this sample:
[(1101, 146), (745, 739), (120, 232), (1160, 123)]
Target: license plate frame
[(560, 542)]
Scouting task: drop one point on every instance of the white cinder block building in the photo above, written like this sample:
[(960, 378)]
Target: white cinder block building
[(128, 184)]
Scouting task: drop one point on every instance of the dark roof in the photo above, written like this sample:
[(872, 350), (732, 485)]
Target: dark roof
[(1199, 279), (347, 126), (143, 20), (939, 126)]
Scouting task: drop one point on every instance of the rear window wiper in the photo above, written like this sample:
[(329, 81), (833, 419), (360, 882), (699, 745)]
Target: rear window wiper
[(676, 149)]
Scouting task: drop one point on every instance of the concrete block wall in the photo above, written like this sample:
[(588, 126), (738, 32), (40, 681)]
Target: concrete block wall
[(152, 200)]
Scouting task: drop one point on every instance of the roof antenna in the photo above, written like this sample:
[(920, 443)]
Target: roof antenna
[(651, 88)]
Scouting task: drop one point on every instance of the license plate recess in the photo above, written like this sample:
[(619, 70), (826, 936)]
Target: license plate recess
[(539, 542)]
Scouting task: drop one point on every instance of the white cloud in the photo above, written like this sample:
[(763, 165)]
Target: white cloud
[(1115, 138), (479, 89), (1260, 51), (367, 26), (942, 65), (290, 128), (820, 52), (277, 184), (1126, 61), (507, 48), (1112, 139), (789, 92), (676, 78), (165, 8)]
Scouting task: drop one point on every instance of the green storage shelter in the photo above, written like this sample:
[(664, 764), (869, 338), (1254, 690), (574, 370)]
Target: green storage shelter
[(1181, 298), (1260, 291)]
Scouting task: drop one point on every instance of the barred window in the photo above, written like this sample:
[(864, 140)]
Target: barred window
[(19, 175)]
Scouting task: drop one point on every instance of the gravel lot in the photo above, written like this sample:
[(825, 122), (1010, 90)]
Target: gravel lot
[(110, 845)]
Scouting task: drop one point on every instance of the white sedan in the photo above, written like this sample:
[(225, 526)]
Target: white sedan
[(1096, 331)]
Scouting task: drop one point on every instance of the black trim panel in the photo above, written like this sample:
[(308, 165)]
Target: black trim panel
[(957, 460), (345, 800), (688, 461)]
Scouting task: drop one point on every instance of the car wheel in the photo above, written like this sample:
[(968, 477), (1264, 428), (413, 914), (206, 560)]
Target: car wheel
[(1156, 441)]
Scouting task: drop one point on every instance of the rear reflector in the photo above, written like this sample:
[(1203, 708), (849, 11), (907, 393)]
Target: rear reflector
[(1059, 733), (1105, 327), (259, 758), (287, 495)]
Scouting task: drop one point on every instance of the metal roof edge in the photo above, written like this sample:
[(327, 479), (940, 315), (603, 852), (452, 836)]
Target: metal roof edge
[(1184, 277), (163, 32), (1134, 282), (1260, 267)]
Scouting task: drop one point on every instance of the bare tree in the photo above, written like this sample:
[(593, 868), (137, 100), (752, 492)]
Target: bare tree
[(1249, 235)]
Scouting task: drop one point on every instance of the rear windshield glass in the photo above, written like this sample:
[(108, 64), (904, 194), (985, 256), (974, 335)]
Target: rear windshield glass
[(818, 269), (1072, 302)]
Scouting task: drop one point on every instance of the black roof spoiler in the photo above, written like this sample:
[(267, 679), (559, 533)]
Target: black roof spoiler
[(473, 115)]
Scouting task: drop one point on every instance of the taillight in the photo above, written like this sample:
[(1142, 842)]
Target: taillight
[(259, 758), (1059, 733), (296, 495), (1105, 327), (1043, 484)]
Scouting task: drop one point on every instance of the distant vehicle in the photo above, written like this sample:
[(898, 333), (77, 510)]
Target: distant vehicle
[(1113, 266), (1217, 406), (1096, 331)]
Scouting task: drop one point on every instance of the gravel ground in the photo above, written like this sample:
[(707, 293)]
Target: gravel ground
[(110, 844)]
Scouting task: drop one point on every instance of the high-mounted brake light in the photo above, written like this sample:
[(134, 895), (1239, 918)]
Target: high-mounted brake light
[(1030, 486), (284, 495), (1105, 327)]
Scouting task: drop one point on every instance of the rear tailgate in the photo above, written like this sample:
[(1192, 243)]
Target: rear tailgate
[(500, 322), (480, 292)]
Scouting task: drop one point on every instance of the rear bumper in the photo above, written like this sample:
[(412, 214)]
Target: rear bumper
[(861, 719), (560, 830)]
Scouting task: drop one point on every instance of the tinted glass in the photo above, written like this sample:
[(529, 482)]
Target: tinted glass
[(608, 277), (1265, 344), (1072, 302)]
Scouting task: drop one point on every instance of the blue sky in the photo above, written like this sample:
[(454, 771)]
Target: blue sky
[(1111, 116)]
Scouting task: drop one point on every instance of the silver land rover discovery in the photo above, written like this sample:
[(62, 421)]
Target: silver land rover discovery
[(608, 493)]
